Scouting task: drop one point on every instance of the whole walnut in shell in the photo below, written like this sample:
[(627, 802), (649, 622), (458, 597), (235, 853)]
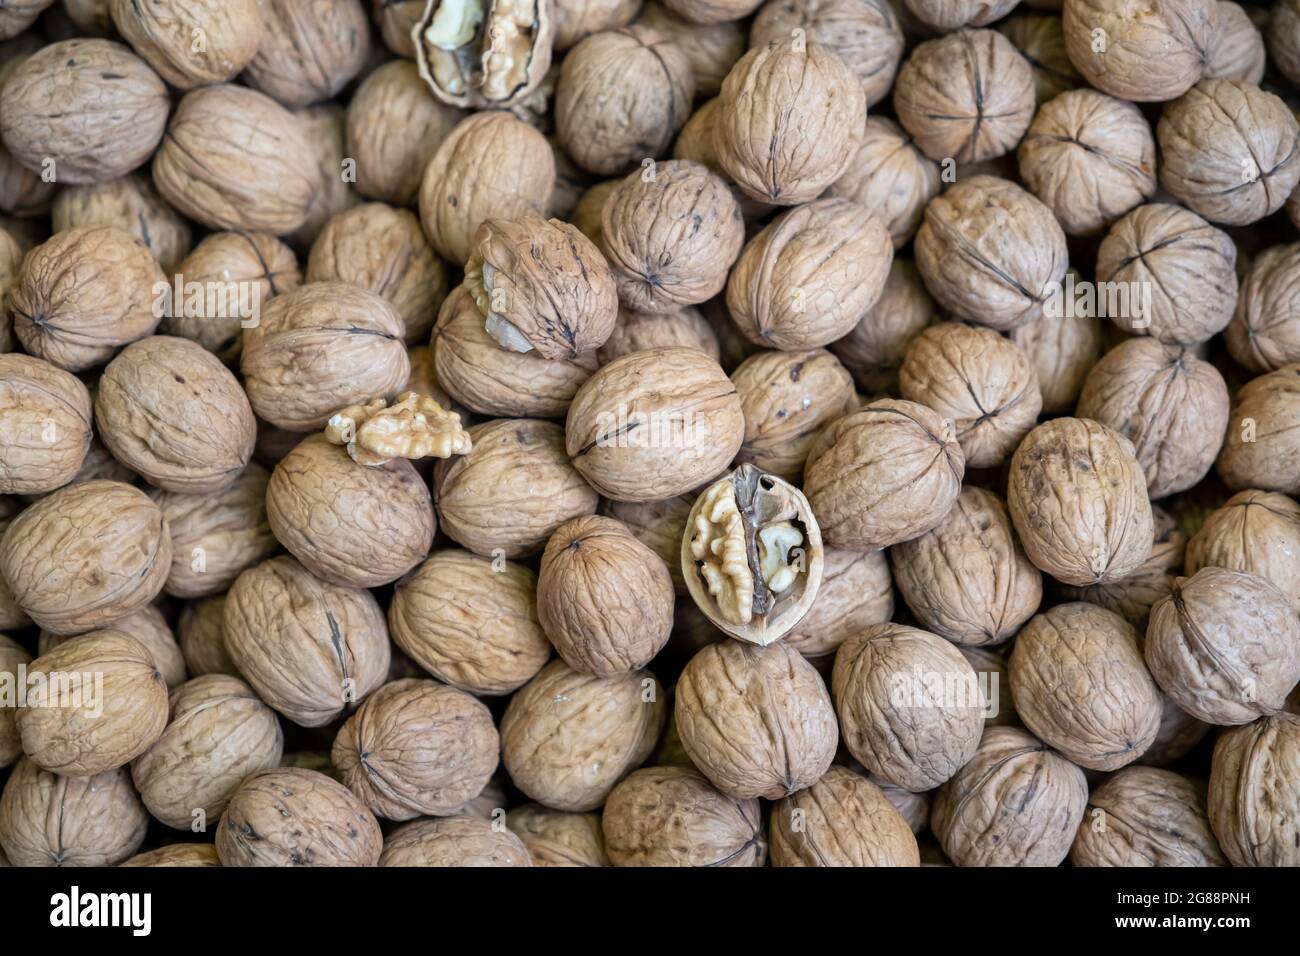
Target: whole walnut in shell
[(133, 205), (967, 96), (1230, 151), (1253, 531), (1236, 49), (235, 159), (513, 489), (150, 628), (1016, 803), (659, 525), (873, 350), (83, 111), (694, 234), (568, 738), (104, 703), (218, 734), (841, 820), (909, 705), (163, 32), (576, 19), (948, 15), (83, 294), (319, 348), (783, 147), (171, 412), (396, 20), (1041, 40), (202, 640), (309, 50), (325, 127), (654, 424), (990, 253), (604, 599), (177, 855), (855, 594), (622, 97), (491, 165), (98, 819), (887, 473), (1261, 448), (19, 15), (1284, 38), (1062, 345), (492, 380), (295, 817), (967, 578), (1179, 734), (1265, 330), (86, 556), (45, 425), (1254, 801), (636, 332), (383, 250), (757, 721), (416, 748), (1081, 686), (554, 838), (1184, 264), (890, 177), (672, 816), (1147, 52), (810, 276), (453, 841), (470, 621), (712, 11), (1225, 645), (12, 656), (1146, 817), (711, 48), (1078, 499), (310, 649)]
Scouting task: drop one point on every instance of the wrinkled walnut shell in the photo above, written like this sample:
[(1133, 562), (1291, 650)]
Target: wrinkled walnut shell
[(842, 820), (1262, 446), (310, 49), (453, 841), (202, 640), (1146, 817), (873, 350), (1062, 349), (1265, 330), (554, 838), (12, 656), (164, 33), (891, 178), (1253, 531), (133, 205), (45, 425), (1254, 800), (855, 594)]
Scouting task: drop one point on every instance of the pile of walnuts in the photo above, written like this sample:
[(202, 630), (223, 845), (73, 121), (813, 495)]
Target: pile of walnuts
[(664, 433)]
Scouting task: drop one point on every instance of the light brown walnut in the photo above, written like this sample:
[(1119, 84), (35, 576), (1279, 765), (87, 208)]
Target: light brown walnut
[(150, 628), (636, 332), (1041, 41), (1062, 348), (891, 178), (12, 656), (855, 594), (1265, 330), (164, 33), (1262, 446), (711, 48), (177, 855), (202, 640), (1254, 799), (1236, 49), (1146, 817), (45, 425), (841, 820), (1253, 531), (554, 838), (131, 204), (309, 50), (873, 350), (453, 841)]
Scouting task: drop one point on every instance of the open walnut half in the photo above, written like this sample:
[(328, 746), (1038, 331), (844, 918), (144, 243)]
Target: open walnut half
[(752, 555), (484, 54)]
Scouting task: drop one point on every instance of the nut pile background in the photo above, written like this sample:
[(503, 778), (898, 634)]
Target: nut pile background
[(682, 433)]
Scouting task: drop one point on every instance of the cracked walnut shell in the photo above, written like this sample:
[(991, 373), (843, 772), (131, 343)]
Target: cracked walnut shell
[(45, 425), (841, 820), (485, 54), (310, 49), (191, 44), (1254, 799), (1146, 817)]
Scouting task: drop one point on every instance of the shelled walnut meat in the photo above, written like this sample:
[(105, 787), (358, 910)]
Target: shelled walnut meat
[(485, 54)]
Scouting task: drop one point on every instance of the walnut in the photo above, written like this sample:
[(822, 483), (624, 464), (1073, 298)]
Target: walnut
[(1230, 151), (873, 350), (695, 234), (86, 556), (783, 147), (484, 55), (202, 638), (967, 96), (219, 733), (712, 49), (319, 348), (1183, 263), (482, 509), (490, 165), (12, 657), (1253, 792), (1179, 733), (1261, 450), (1225, 645), (968, 578), (492, 380), (929, 692), (133, 205), (51, 820), (325, 127), (45, 425), (1078, 499), (1016, 803), (659, 525), (470, 621), (309, 51), (1146, 817), (229, 277), (83, 294), (991, 253), (622, 97), (414, 427), (235, 159), (887, 473), (855, 594), (424, 379), (1062, 345), (383, 250), (1265, 330), (192, 44), (1236, 50), (568, 738), (890, 177), (150, 628), (672, 816), (948, 15), (397, 20), (654, 424), (712, 11), (19, 15), (843, 819), (453, 841), (177, 854), (1041, 41), (574, 20), (1148, 53), (294, 817), (103, 703), (554, 838), (415, 748), (1253, 531), (1284, 38), (310, 649), (394, 124), (636, 332), (110, 115), (697, 143)]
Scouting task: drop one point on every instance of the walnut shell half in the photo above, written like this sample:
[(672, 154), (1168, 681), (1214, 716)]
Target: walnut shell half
[(484, 54)]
